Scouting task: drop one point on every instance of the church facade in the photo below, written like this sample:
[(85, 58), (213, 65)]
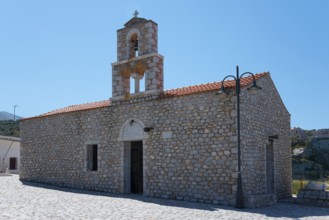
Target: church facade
[(177, 144)]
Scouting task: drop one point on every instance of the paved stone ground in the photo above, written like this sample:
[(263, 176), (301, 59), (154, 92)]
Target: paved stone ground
[(37, 201)]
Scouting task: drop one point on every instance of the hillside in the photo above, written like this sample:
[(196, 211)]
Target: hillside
[(4, 116), (310, 159), (9, 128)]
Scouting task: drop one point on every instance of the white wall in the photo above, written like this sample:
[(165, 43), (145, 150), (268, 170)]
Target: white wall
[(13, 152)]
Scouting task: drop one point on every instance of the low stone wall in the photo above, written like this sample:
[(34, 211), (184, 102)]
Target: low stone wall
[(255, 201), (313, 197)]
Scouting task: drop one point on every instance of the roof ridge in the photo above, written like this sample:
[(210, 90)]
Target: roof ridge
[(71, 108), (192, 86), (257, 76)]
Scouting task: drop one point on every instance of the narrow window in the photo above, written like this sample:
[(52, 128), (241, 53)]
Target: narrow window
[(133, 47), (132, 85), (92, 157), (13, 163), (142, 84), (136, 85)]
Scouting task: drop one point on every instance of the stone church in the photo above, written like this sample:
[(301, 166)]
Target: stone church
[(176, 144)]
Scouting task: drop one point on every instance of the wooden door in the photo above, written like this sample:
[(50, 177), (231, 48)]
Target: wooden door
[(137, 167), (270, 168)]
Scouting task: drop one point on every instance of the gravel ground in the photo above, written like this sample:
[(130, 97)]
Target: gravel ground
[(37, 201)]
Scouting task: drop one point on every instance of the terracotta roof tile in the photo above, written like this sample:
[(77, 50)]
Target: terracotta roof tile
[(168, 93), (75, 108), (209, 86)]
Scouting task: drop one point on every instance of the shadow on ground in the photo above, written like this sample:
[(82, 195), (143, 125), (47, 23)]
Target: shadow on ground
[(279, 210), (289, 210)]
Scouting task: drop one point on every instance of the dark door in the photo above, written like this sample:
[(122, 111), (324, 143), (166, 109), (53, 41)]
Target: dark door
[(12, 163), (137, 167), (270, 168)]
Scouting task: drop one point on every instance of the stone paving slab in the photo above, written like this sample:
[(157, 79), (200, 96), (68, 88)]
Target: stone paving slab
[(38, 201)]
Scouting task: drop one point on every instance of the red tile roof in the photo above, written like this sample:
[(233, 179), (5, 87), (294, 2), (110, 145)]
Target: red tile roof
[(210, 86), (215, 86), (75, 108)]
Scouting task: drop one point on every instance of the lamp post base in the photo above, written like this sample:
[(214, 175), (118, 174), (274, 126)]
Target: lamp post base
[(239, 194)]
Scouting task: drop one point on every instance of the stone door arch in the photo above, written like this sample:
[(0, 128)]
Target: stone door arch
[(132, 133), (133, 129)]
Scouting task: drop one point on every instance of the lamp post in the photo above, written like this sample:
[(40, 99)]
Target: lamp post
[(239, 194)]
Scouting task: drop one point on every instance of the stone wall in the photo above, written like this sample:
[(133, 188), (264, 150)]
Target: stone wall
[(313, 197), (196, 162), (262, 115), (191, 154)]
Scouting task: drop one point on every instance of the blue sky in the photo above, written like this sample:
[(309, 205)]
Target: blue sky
[(59, 53)]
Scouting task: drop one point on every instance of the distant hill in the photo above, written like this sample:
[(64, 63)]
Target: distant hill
[(310, 159), (301, 138), (4, 116), (9, 128)]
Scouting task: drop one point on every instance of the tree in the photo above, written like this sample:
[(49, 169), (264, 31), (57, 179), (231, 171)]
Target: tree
[(9, 128)]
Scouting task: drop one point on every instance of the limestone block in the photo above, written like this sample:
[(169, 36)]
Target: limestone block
[(316, 186)]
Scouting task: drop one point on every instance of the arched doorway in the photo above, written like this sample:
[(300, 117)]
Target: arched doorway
[(132, 136)]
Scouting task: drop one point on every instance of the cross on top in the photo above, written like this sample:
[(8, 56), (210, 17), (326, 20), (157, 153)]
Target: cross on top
[(136, 13)]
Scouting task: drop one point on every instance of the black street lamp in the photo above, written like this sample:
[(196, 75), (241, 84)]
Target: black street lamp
[(239, 195)]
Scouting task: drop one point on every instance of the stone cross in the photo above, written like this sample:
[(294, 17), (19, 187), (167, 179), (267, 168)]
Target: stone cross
[(136, 13)]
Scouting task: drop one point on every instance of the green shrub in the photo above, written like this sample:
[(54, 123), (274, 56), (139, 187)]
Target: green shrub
[(9, 128), (297, 185)]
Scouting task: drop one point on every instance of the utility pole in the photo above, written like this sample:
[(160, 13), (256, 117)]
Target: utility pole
[(15, 112)]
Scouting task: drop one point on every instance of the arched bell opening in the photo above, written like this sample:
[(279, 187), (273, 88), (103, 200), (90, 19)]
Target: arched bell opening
[(137, 84), (133, 45)]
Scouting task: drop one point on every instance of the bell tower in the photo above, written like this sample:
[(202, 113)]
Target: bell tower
[(137, 60)]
